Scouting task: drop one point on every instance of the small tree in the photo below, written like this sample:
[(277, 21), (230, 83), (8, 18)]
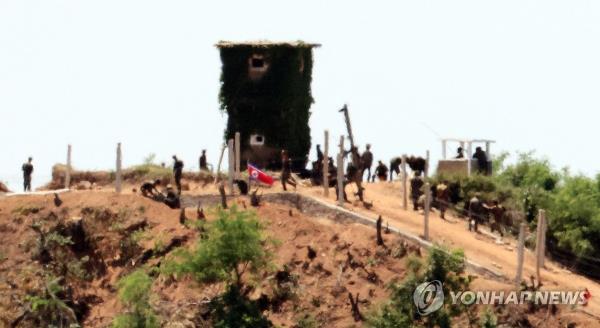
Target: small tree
[(134, 292), (233, 246), (442, 265)]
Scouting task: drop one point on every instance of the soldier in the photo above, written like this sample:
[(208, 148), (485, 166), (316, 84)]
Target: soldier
[(497, 212), (320, 155), (442, 197), (177, 172), (367, 161), (381, 171), (482, 161), (416, 184), (203, 165), (172, 199), (27, 171), (459, 153), (286, 172), (475, 212), (150, 189)]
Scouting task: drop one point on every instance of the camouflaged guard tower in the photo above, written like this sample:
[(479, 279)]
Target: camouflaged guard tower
[(265, 90)]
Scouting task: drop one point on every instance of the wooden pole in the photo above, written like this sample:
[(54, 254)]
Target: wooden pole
[(118, 173), (404, 184), (326, 165), (426, 211), (219, 165), (231, 168), (237, 155), (68, 170), (543, 244), (520, 255), (538, 244), (340, 178)]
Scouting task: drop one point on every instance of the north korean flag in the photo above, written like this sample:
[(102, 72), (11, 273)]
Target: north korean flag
[(259, 175)]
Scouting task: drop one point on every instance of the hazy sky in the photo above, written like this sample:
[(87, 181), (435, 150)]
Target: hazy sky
[(146, 73)]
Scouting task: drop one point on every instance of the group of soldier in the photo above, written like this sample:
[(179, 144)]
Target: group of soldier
[(475, 209), (170, 197)]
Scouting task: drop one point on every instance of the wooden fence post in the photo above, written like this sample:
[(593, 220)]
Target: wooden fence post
[(219, 164), (539, 243), (404, 184), (237, 155), (340, 178), (426, 211), (544, 230), (231, 168), (68, 169), (520, 255), (118, 179), (340, 172), (326, 165)]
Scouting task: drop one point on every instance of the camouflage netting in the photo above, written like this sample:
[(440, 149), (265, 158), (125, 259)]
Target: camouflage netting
[(274, 103)]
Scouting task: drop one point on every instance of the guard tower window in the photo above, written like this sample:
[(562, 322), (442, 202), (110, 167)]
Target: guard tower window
[(257, 67), (257, 140), (258, 62)]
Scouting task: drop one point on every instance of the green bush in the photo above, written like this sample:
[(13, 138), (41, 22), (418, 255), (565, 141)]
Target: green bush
[(135, 293), (443, 265), (48, 309), (232, 247)]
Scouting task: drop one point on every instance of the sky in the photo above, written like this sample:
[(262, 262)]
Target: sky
[(146, 73)]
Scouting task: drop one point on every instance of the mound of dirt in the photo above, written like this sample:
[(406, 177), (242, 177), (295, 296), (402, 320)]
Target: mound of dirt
[(133, 175)]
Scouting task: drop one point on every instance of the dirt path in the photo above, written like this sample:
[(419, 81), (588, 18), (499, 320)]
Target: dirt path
[(480, 248)]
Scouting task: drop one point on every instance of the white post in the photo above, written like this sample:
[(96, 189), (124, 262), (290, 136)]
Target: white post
[(404, 184), (444, 149), (544, 229), (68, 169), (340, 178), (219, 165), (426, 173), (538, 244), (520, 255), (231, 168), (340, 172), (119, 167), (469, 156), (326, 165), (237, 155), (426, 210)]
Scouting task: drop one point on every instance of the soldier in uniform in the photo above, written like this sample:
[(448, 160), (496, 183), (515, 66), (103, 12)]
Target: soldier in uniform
[(177, 172), (27, 171), (172, 198), (320, 155), (416, 184), (367, 162), (497, 212), (381, 171), (476, 212), (150, 189), (482, 161), (442, 197), (286, 172), (459, 153), (203, 164)]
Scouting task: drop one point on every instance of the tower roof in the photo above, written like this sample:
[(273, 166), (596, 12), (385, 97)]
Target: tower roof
[(266, 44)]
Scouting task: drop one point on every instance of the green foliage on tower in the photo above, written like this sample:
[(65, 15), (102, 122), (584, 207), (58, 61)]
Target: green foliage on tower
[(277, 103)]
